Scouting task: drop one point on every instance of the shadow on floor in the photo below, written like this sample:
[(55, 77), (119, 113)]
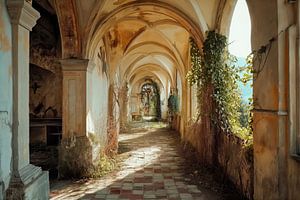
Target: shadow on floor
[(152, 167)]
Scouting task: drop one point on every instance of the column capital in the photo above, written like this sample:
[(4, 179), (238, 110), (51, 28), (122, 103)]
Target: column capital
[(73, 64), (21, 12)]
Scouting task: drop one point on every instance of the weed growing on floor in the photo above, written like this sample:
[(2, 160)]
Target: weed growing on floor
[(105, 165), (207, 176)]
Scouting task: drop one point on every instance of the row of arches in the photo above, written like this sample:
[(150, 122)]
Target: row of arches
[(154, 47), (109, 50)]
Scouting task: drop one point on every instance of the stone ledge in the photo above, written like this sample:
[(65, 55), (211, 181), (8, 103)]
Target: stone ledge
[(29, 173), (74, 64), (32, 183), (39, 189)]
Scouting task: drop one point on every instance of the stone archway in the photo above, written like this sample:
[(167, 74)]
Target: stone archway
[(101, 57), (122, 53), (150, 98)]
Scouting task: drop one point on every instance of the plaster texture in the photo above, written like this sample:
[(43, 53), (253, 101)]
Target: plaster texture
[(105, 45), (5, 99)]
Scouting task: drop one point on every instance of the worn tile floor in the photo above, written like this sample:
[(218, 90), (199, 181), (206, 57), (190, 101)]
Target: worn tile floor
[(151, 168)]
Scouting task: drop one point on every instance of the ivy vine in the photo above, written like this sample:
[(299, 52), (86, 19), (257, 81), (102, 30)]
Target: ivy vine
[(173, 104), (214, 66)]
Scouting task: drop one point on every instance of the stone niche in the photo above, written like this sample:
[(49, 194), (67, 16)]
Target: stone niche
[(45, 93), (45, 104)]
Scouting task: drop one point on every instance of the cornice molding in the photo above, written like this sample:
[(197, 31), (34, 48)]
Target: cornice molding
[(22, 13), (75, 64)]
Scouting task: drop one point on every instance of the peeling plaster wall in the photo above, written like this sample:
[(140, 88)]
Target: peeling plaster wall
[(216, 148), (281, 178), (45, 92), (164, 103), (5, 98), (227, 153), (97, 110)]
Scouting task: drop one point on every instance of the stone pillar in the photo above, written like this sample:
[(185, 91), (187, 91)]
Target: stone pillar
[(124, 107), (76, 153), (28, 181), (113, 121), (139, 103), (270, 94)]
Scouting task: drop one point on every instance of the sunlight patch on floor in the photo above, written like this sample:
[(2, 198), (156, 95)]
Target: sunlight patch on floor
[(123, 137), (139, 159)]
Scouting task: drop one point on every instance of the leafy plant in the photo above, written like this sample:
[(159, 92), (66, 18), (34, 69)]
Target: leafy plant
[(104, 166), (247, 71), (173, 104), (214, 66)]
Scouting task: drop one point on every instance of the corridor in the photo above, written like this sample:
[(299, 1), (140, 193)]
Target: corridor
[(151, 167)]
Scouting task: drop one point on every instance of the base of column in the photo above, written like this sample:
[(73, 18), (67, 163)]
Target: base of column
[(124, 127), (76, 158), (1, 191), (29, 183)]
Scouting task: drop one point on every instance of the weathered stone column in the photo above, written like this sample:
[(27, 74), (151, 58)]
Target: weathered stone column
[(113, 129), (76, 152), (124, 107), (28, 181), (270, 94)]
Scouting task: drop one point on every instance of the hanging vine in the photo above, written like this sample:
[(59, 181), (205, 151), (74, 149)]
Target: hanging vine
[(214, 67)]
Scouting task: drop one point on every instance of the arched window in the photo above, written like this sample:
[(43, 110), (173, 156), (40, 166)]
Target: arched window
[(240, 41)]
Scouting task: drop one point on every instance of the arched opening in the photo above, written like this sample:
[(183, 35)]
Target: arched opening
[(109, 49), (150, 99), (240, 42), (153, 43), (240, 47), (130, 46)]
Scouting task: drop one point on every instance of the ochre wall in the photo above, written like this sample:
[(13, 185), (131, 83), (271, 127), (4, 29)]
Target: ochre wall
[(219, 149), (227, 153), (276, 173)]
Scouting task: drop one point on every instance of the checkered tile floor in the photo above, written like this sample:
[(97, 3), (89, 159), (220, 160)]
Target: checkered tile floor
[(151, 168)]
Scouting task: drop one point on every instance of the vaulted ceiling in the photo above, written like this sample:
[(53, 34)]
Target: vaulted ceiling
[(140, 38)]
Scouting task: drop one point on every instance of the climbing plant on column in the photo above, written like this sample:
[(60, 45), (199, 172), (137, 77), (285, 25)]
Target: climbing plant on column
[(214, 66)]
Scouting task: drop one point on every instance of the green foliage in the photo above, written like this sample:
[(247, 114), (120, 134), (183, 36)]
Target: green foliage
[(105, 165), (247, 70), (244, 115), (215, 66), (173, 104), (157, 103)]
